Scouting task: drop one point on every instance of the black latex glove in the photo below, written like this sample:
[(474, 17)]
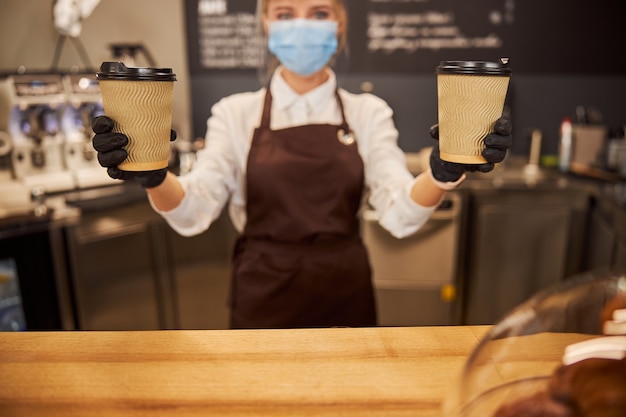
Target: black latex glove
[(111, 153), (496, 145)]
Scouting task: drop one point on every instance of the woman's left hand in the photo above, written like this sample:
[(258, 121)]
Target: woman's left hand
[(496, 145)]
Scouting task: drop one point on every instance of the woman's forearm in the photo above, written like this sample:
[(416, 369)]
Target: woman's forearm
[(168, 195), (425, 192)]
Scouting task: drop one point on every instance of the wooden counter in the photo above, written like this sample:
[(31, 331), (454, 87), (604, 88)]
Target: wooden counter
[(329, 372)]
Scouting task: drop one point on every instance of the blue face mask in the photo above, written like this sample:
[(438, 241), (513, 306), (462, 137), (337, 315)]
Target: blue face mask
[(303, 46)]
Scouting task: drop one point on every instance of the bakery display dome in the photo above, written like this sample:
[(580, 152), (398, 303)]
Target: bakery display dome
[(560, 353)]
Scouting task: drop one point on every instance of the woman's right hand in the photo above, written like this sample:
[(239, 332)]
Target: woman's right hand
[(110, 148)]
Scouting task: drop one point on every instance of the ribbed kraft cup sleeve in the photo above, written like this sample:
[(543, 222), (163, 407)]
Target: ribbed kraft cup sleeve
[(468, 107), (142, 110)]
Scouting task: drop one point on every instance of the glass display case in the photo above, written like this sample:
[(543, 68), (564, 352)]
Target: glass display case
[(530, 362)]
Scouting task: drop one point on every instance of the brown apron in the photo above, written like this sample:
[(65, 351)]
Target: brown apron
[(300, 261)]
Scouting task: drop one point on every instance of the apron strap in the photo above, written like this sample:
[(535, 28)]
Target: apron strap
[(344, 123), (267, 109)]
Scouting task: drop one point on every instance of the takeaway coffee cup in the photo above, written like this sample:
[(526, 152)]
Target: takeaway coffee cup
[(139, 100), (471, 98)]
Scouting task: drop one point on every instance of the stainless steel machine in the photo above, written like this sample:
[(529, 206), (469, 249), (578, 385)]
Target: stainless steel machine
[(30, 113), (84, 103), (45, 137), (5, 156), (417, 278)]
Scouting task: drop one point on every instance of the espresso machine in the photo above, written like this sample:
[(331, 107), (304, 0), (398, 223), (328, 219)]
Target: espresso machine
[(31, 107), (84, 103)]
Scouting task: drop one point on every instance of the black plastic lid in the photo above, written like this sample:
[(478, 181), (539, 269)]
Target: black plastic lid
[(119, 71), (475, 67)]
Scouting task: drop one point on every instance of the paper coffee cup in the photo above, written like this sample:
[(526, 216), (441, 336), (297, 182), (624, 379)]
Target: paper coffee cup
[(139, 100), (471, 98)]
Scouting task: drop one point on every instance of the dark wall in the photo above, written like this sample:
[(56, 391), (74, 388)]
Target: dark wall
[(563, 54), (537, 102)]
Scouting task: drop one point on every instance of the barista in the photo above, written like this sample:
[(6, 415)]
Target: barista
[(293, 161)]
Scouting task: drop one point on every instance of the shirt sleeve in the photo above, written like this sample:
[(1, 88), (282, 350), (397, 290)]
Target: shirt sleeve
[(208, 187), (386, 174)]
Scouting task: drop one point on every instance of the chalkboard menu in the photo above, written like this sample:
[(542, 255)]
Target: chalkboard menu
[(222, 35), (413, 36)]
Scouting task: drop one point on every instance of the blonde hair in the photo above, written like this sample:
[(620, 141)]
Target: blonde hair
[(342, 18)]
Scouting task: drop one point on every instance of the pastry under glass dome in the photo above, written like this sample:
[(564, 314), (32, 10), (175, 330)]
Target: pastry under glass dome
[(517, 357)]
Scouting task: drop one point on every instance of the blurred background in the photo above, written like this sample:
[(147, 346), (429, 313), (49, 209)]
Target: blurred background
[(493, 243)]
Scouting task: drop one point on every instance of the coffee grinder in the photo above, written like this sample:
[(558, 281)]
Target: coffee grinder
[(6, 144), (84, 103), (31, 106)]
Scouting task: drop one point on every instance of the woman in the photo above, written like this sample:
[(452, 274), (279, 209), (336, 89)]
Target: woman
[(293, 160)]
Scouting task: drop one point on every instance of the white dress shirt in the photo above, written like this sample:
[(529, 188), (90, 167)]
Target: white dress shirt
[(219, 173)]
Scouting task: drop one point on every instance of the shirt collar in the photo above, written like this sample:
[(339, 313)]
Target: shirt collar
[(283, 95)]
